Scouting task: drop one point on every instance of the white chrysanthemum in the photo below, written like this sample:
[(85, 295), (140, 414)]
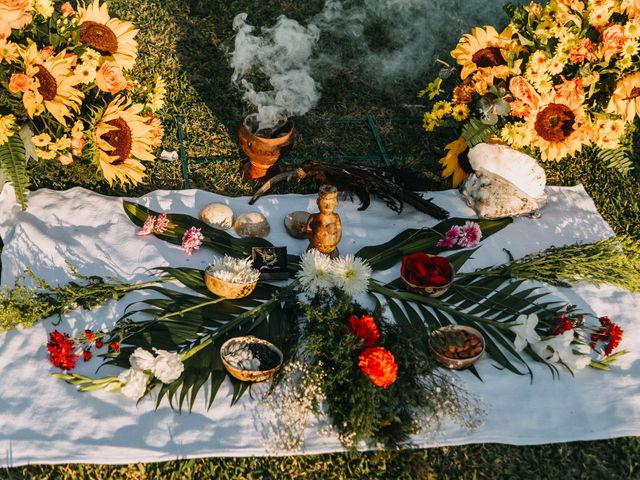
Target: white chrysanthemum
[(351, 274), (167, 366), (316, 272), (142, 359), (234, 270), (134, 383)]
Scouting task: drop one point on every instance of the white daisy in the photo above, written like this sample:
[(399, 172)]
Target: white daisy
[(351, 274), (316, 272)]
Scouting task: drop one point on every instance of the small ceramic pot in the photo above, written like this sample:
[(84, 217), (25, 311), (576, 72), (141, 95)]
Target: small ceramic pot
[(227, 289), (264, 153), (250, 375), (455, 363), (428, 290)]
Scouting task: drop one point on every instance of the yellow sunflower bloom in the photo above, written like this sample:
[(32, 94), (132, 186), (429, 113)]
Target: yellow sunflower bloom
[(625, 99), (483, 48), (112, 37), (456, 163), (123, 139), (54, 89), (460, 112), (558, 126)]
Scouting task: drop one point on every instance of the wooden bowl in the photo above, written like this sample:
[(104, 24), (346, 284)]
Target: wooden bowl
[(429, 290), (455, 363), (227, 289), (250, 375)]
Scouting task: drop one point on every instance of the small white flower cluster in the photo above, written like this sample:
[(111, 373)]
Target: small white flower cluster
[(319, 273), (239, 356), (165, 366), (558, 348), (286, 410), (234, 270)]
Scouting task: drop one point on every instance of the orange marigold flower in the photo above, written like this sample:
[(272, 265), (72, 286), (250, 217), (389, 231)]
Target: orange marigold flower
[(379, 365), (365, 328)]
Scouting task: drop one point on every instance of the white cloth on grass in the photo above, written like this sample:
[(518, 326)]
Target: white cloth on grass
[(45, 420)]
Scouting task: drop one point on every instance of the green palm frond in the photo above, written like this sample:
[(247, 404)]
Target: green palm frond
[(14, 166), (196, 323)]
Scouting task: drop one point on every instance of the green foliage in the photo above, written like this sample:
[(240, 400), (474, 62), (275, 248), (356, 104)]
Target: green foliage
[(14, 166), (475, 132), (360, 410), (620, 159)]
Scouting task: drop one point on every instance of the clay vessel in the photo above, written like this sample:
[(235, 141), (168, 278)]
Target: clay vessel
[(324, 229), (263, 152)]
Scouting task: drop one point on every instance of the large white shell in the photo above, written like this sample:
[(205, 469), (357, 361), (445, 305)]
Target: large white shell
[(516, 167)]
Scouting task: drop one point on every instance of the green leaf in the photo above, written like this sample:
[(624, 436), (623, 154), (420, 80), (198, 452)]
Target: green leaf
[(620, 159), (475, 132), (14, 166)]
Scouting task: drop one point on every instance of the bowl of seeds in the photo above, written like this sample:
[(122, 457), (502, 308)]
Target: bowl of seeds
[(456, 346), (250, 359)]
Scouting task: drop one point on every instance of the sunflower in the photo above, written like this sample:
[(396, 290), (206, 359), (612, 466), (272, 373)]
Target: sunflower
[(54, 89), (558, 126), (483, 48), (625, 99), (111, 37), (122, 141), (456, 162)]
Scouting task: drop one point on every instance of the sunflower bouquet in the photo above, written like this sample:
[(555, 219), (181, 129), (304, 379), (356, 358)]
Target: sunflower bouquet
[(66, 93), (558, 79)]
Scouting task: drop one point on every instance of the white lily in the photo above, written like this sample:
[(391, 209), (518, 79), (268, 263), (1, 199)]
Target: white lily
[(525, 330)]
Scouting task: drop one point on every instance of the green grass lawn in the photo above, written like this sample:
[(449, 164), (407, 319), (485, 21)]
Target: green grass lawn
[(185, 42)]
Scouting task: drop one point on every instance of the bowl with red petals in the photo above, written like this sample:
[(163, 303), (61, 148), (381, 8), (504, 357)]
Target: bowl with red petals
[(426, 274)]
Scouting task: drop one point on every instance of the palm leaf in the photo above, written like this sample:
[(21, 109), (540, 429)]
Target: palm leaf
[(620, 159), (386, 255), (196, 323), (14, 166), (475, 132)]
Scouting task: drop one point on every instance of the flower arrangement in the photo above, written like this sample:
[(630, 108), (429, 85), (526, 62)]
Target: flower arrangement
[(319, 273), (234, 270), (66, 92), (556, 80)]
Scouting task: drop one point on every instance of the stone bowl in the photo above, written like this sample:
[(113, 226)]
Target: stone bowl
[(455, 363), (250, 375), (429, 290), (228, 289)]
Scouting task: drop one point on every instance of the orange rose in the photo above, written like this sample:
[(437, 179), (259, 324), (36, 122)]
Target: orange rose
[(65, 159), (613, 40), (379, 365), (523, 91), (571, 92), (13, 14), (67, 10), (110, 78), (20, 83)]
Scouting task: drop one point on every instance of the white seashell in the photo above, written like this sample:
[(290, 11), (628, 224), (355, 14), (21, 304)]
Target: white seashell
[(217, 215), (505, 182), (516, 167), (252, 224)]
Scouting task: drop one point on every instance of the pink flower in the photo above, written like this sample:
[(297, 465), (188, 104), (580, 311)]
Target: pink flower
[(147, 228), (161, 223), (470, 236), (191, 240), (450, 238)]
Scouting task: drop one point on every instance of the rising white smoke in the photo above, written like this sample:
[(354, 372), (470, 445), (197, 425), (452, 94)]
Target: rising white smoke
[(388, 41)]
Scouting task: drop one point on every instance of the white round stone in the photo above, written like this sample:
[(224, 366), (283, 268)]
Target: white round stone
[(217, 215), (252, 224)]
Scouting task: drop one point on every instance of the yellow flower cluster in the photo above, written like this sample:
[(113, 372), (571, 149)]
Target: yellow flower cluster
[(79, 93), (555, 64)]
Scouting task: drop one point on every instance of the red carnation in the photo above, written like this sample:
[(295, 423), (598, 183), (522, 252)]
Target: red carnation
[(86, 355), (99, 343), (115, 346), (379, 365), (563, 324), (610, 335), (61, 348), (89, 334), (365, 328), (426, 270)]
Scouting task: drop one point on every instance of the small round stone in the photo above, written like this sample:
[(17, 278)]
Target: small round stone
[(217, 215), (252, 224), (296, 223)]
